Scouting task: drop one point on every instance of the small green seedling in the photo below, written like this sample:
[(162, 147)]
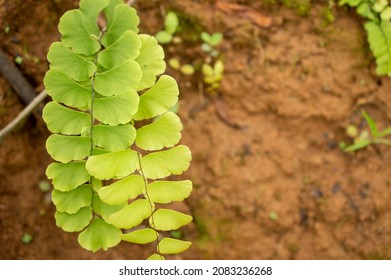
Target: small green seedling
[(186, 69), (213, 75), (19, 59), (171, 24), (44, 186), (210, 42), (273, 216), (328, 14), (27, 238), (174, 63), (365, 138)]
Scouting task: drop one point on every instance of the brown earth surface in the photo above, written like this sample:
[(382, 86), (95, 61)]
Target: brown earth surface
[(275, 185)]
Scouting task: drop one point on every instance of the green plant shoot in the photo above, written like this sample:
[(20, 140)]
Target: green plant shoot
[(213, 75), (364, 139), (171, 24), (210, 42), (114, 139), (186, 69)]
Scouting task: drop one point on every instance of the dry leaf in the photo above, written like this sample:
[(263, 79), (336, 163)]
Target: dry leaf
[(229, 7), (247, 12), (258, 18)]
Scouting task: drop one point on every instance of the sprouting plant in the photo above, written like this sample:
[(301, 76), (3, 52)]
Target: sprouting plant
[(171, 24), (365, 138), (213, 75), (378, 27), (273, 216), (44, 186), (210, 42), (19, 59), (26, 238), (114, 139), (213, 66), (166, 36), (328, 14), (186, 69)]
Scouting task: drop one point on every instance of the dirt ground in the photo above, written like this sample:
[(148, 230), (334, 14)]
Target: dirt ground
[(276, 186)]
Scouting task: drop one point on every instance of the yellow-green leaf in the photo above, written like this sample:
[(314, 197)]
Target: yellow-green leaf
[(112, 165), (67, 176), (114, 138), (74, 222), (142, 236), (132, 215), (118, 80), (99, 235), (151, 61), (75, 34), (117, 109), (63, 120), (91, 10), (64, 89), (169, 191), (162, 164), (125, 48), (67, 148), (109, 10), (167, 219), (158, 99), (155, 257), (71, 64), (170, 246), (123, 190), (163, 133), (124, 18), (72, 201), (103, 209), (96, 184)]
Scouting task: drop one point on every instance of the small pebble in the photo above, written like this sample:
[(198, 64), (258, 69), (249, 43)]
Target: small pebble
[(336, 188), (317, 193)]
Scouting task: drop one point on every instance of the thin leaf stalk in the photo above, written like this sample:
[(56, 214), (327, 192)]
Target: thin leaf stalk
[(382, 141), (92, 107), (148, 198)]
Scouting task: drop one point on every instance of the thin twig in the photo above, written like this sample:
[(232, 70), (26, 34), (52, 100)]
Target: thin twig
[(223, 116), (16, 79), (22, 115)]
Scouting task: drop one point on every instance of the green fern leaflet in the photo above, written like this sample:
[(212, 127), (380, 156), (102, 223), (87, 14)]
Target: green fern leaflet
[(378, 27), (379, 38), (114, 139)]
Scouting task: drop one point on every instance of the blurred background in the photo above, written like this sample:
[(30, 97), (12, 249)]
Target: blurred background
[(270, 94)]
